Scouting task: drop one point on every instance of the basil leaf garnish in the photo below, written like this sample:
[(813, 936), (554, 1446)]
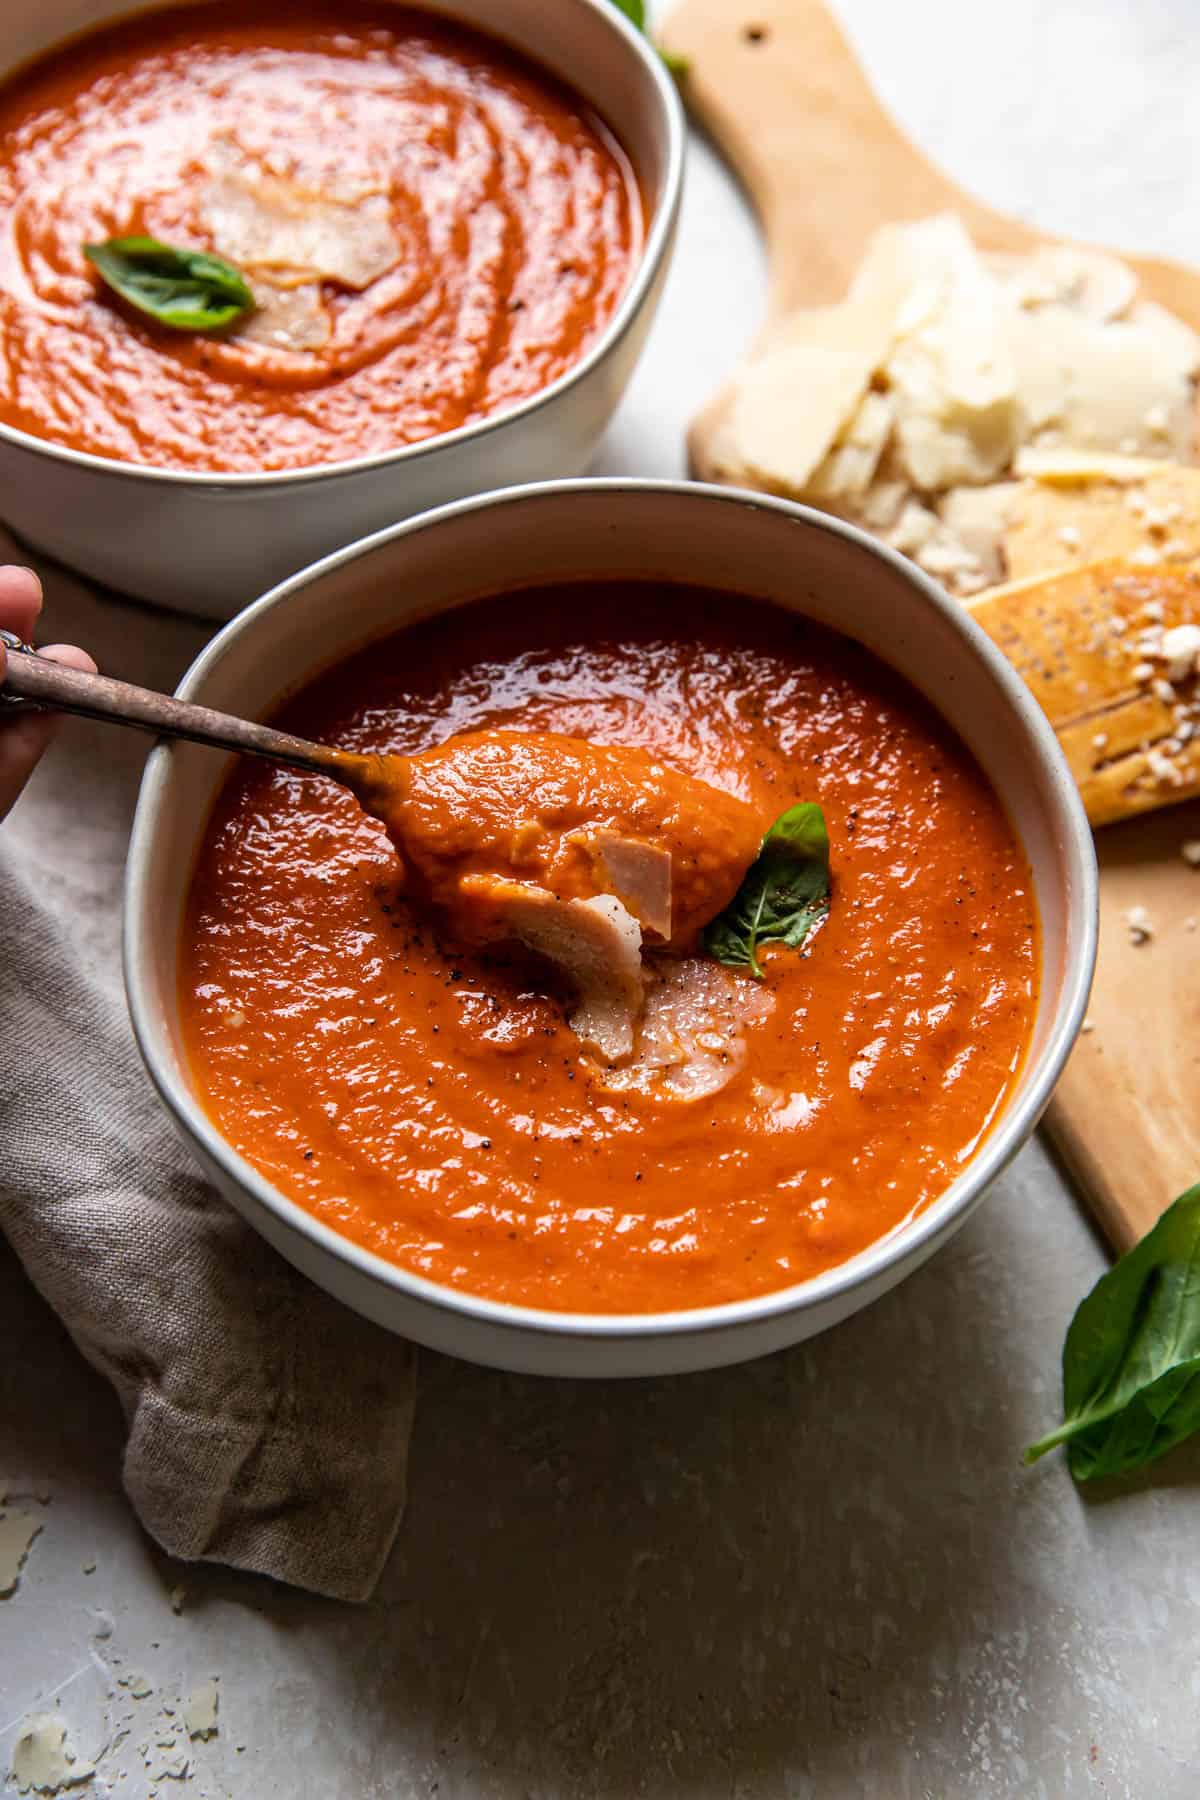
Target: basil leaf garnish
[(188, 290), (785, 892), (1131, 1360), (635, 12)]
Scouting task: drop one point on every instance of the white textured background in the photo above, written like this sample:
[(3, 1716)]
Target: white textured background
[(820, 1576)]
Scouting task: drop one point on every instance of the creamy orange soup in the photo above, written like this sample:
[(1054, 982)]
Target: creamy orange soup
[(431, 1102), (490, 220)]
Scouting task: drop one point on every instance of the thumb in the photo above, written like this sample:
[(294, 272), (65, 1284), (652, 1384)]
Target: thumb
[(23, 738)]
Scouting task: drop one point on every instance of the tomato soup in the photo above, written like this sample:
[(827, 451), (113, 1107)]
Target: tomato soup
[(432, 1103), (480, 223)]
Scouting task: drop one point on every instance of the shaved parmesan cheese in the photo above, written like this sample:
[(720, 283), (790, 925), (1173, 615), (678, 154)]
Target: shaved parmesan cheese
[(978, 517), (789, 409), (951, 375), (691, 1041), (1070, 468), (264, 222), (849, 468), (293, 318), (1088, 281), (793, 403), (597, 945), (985, 370), (638, 874), (1094, 382)]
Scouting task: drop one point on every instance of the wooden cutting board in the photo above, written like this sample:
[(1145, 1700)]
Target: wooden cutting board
[(776, 86)]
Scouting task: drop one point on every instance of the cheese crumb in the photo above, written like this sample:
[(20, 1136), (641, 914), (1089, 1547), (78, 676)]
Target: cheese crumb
[(43, 1761), (200, 1713), (1181, 651), (1140, 928), (17, 1532), (1190, 852), (1159, 763)]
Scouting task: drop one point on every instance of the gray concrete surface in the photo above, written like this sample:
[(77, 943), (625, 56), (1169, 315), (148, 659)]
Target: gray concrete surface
[(823, 1576)]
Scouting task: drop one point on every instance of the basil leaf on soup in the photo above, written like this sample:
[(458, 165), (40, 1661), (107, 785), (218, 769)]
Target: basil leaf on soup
[(188, 290), (784, 893), (1131, 1360)]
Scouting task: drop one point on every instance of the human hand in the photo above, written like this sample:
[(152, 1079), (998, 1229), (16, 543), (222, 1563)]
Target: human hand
[(25, 736)]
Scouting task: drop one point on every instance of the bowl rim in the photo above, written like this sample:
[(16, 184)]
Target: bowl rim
[(904, 1243), (650, 261)]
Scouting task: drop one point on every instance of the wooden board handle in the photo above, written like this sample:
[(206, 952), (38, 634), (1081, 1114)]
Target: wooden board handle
[(777, 86)]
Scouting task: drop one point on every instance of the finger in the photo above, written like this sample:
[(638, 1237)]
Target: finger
[(23, 739), (20, 599), (71, 657)]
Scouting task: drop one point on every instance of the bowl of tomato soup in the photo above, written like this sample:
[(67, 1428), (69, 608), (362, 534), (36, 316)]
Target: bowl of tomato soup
[(447, 229), (420, 1126)]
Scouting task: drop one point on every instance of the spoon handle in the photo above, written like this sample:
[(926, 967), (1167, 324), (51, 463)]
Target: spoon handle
[(50, 686)]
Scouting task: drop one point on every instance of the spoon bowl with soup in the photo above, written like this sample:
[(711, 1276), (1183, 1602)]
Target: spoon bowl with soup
[(579, 852)]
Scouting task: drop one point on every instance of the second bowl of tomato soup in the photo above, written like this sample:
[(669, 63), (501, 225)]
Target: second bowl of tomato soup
[(387, 254), (712, 931)]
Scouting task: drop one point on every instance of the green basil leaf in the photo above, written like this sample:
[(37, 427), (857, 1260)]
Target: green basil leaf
[(1131, 1361), (189, 290), (785, 892), (635, 12)]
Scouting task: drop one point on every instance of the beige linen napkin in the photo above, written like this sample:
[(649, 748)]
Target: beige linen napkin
[(268, 1426)]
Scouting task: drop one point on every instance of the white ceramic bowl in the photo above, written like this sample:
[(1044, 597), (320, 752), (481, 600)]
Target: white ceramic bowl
[(207, 543), (795, 558)]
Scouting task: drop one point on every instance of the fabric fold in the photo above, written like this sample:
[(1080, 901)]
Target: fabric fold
[(268, 1426)]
